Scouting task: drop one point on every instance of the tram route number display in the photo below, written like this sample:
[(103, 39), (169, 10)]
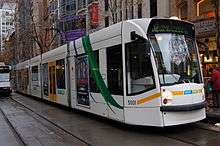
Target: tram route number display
[(171, 26)]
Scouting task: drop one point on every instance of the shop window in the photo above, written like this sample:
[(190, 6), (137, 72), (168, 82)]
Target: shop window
[(115, 70), (106, 5), (126, 13), (81, 4), (132, 12), (34, 70), (93, 86), (153, 8), (139, 10), (60, 74), (106, 21), (205, 8)]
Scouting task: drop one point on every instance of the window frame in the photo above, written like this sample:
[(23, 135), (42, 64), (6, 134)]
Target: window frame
[(64, 73), (126, 69), (37, 77), (121, 93)]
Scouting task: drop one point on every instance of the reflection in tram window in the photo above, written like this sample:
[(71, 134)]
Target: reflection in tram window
[(140, 75), (114, 70), (34, 73), (177, 58), (60, 74)]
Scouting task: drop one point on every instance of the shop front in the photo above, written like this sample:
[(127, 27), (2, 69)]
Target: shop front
[(206, 39)]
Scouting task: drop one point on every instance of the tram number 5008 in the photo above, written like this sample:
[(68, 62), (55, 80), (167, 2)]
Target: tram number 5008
[(132, 102)]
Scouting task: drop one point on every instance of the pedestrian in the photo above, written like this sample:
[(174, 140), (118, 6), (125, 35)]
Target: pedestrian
[(215, 80)]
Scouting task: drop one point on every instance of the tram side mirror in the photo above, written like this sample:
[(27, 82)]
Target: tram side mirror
[(135, 37), (207, 53)]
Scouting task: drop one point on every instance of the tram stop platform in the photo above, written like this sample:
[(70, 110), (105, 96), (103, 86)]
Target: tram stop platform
[(213, 114)]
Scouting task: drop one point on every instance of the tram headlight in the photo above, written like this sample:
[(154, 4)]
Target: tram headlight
[(167, 97)]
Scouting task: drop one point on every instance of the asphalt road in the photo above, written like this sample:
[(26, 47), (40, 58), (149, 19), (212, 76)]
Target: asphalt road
[(39, 123)]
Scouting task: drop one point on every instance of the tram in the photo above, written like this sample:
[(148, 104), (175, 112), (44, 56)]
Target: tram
[(5, 85), (139, 72)]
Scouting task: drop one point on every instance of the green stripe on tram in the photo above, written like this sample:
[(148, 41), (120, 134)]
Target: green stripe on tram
[(97, 75)]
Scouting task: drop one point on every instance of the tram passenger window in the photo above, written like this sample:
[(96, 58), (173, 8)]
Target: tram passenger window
[(114, 70), (93, 86), (45, 79), (139, 69), (34, 73), (60, 74)]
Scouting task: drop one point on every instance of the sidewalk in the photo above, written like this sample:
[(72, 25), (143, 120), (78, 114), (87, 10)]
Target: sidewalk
[(213, 114)]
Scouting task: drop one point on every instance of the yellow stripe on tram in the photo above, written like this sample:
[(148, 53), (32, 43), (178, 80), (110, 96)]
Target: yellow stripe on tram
[(149, 98), (176, 93)]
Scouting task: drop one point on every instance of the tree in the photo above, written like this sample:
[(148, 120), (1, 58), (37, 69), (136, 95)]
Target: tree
[(34, 30), (42, 30)]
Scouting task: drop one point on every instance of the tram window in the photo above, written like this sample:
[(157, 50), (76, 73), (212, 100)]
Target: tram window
[(93, 87), (140, 75), (114, 70), (60, 74), (45, 79), (34, 70)]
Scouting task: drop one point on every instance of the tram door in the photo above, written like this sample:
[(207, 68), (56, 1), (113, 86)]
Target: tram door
[(52, 80)]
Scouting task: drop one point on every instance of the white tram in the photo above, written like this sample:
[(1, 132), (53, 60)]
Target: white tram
[(140, 72)]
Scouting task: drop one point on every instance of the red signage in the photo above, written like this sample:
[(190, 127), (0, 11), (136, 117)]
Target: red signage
[(94, 14)]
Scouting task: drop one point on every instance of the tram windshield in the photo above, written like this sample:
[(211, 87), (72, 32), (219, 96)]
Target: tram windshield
[(4, 73), (176, 58)]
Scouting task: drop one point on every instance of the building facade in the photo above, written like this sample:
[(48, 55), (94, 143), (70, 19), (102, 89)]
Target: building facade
[(75, 18), (51, 23), (202, 14), (7, 12)]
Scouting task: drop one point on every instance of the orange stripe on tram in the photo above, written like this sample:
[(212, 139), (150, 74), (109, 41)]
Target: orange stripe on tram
[(149, 98), (175, 93)]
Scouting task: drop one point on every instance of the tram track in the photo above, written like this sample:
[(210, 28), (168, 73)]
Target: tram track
[(17, 135), (178, 139), (51, 122), (165, 134), (181, 136)]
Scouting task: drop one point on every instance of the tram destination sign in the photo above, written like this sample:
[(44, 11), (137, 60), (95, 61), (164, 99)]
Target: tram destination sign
[(171, 26)]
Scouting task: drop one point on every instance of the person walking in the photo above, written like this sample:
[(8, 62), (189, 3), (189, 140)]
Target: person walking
[(215, 79)]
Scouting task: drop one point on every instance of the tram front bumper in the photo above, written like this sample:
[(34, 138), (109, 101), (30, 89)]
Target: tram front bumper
[(5, 90), (176, 115), (182, 108)]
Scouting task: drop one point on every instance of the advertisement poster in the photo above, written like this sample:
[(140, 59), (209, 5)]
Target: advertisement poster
[(94, 15), (82, 83), (72, 27)]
